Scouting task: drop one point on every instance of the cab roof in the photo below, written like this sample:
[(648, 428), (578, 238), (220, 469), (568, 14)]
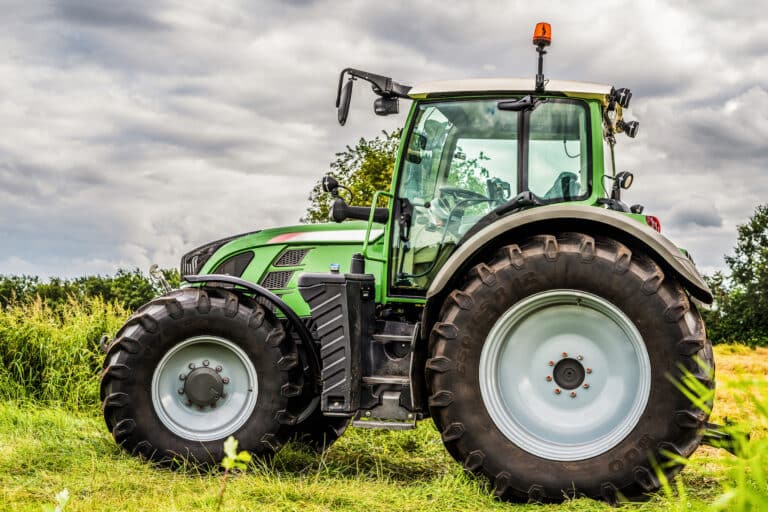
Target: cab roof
[(485, 85)]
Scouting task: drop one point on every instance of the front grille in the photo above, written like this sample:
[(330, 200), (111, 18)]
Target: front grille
[(291, 258), (277, 280)]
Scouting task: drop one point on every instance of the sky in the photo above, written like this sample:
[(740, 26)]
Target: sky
[(131, 132)]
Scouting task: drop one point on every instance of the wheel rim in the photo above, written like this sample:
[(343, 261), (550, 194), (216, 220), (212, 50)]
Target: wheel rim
[(565, 375), (204, 388)]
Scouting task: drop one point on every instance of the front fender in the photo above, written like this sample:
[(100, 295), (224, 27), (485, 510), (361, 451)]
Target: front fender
[(574, 217)]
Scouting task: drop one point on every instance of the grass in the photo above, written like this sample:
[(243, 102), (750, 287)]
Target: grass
[(44, 449), (53, 438)]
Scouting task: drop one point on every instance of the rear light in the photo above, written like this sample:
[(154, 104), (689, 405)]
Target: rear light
[(653, 222)]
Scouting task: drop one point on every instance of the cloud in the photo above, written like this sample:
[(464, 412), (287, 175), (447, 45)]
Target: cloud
[(696, 215), (134, 131)]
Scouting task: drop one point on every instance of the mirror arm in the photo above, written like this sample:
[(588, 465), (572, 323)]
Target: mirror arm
[(382, 85)]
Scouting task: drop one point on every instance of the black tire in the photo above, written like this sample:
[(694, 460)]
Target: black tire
[(319, 432), (673, 334), (163, 323)]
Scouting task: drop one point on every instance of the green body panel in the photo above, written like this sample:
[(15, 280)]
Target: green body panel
[(327, 244)]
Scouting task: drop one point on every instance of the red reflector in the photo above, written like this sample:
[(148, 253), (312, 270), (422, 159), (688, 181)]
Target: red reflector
[(653, 222)]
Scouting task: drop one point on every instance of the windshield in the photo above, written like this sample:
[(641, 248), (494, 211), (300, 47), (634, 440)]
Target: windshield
[(465, 158)]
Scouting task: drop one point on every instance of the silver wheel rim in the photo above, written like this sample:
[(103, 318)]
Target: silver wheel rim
[(548, 331), (229, 412)]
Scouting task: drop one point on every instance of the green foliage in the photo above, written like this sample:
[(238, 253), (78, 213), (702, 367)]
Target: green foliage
[(51, 354), (232, 460), (745, 488), (741, 311), (132, 288), (364, 169)]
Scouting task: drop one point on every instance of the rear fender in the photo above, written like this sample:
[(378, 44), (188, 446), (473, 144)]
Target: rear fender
[(560, 218)]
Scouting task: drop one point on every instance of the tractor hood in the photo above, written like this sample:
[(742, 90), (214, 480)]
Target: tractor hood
[(210, 258), (275, 258)]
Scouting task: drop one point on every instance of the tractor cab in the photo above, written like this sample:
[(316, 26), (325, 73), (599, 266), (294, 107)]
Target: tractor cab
[(474, 150)]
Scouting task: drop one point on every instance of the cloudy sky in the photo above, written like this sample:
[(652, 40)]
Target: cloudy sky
[(134, 131)]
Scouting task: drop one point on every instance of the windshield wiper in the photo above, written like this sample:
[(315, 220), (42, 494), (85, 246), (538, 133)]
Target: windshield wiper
[(524, 104)]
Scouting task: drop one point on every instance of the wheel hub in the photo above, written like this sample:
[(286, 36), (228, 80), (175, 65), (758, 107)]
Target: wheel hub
[(569, 373), (598, 381), (203, 386)]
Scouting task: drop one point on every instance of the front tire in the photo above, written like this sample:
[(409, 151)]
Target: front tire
[(550, 370), (192, 368)]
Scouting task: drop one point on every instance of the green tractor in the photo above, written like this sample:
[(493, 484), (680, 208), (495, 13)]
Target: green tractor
[(506, 291)]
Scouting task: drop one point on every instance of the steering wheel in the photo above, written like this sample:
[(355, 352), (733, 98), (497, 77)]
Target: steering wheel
[(441, 208)]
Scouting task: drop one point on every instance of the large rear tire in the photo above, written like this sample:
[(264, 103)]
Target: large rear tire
[(552, 370), (192, 368)]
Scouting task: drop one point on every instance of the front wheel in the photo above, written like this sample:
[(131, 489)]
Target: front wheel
[(196, 366), (553, 368)]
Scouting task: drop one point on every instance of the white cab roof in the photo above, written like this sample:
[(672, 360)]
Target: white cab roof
[(507, 84)]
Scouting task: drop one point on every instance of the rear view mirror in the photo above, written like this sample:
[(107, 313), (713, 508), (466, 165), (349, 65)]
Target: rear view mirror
[(343, 106)]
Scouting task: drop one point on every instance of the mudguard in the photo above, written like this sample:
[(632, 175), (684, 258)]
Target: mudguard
[(301, 330), (574, 217)]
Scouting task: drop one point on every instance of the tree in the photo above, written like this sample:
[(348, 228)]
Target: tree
[(741, 312), (130, 287), (364, 169)]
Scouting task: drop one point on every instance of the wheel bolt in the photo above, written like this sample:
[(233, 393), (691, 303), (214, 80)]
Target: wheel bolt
[(580, 357), (549, 378), (565, 354), (191, 366), (182, 377), (225, 380), (557, 391), (586, 386), (206, 363), (218, 369), (551, 363), (573, 394), (181, 391), (589, 370)]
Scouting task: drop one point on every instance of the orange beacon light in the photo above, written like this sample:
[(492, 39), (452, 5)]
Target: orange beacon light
[(542, 34)]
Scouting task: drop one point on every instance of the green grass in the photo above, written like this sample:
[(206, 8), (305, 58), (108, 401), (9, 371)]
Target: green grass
[(53, 438), (46, 449), (52, 356)]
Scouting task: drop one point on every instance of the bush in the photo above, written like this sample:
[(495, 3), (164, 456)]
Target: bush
[(130, 287), (51, 354)]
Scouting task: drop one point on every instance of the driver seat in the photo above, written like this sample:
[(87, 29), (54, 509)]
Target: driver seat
[(566, 187)]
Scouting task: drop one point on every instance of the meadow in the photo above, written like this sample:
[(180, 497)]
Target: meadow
[(53, 438)]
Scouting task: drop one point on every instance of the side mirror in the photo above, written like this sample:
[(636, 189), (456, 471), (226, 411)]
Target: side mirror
[(386, 106), (343, 105)]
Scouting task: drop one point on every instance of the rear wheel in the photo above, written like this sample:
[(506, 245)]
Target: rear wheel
[(550, 370), (194, 367)]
